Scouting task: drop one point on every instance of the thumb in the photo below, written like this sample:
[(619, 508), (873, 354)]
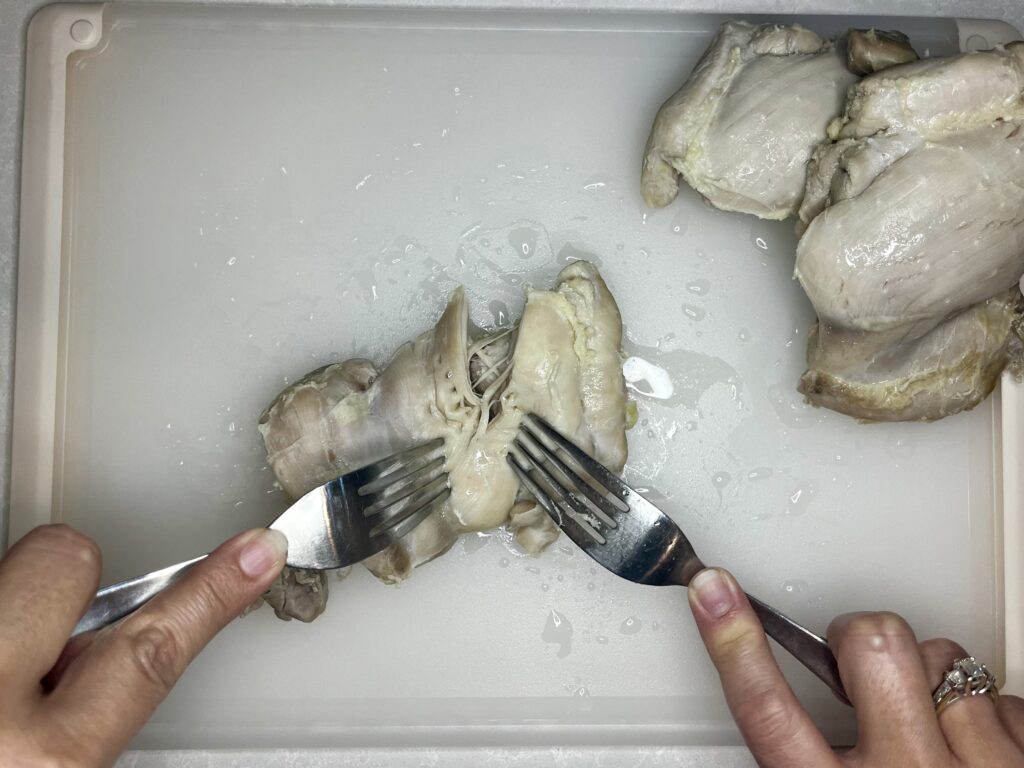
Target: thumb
[(112, 687), (777, 729)]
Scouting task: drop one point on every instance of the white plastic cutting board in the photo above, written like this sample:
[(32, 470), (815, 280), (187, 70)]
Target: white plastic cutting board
[(249, 194)]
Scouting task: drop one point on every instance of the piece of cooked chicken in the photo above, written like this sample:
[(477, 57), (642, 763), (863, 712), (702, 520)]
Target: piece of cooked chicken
[(869, 50), (741, 129), (914, 237), (562, 362)]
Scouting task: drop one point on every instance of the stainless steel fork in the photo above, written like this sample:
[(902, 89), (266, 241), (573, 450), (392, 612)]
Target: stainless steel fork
[(340, 523), (631, 537)]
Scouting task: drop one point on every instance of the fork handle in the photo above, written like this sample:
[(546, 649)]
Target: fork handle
[(118, 600), (806, 647)]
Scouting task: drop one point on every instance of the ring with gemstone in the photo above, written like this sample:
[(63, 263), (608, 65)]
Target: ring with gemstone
[(967, 677)]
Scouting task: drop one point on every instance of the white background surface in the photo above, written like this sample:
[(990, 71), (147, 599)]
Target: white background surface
[(128, 565)]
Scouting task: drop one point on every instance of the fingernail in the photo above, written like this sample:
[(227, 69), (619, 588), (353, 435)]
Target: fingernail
[(262, 552), (713, 592)]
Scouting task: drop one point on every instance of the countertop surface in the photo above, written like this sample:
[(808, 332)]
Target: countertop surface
[(14, 18)]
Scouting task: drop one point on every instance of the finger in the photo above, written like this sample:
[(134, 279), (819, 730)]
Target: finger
[(972, 725), (881, 667), (1011, 712), (776, 728), (47, 581), (110, 690), (75, 647)]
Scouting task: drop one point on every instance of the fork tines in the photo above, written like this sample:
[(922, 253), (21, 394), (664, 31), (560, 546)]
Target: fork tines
[(578, 492), (405, 488)]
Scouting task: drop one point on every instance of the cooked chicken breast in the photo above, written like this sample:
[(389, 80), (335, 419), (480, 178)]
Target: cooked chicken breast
[(562, 363), (914, 237), (741, 129), (869, 50)]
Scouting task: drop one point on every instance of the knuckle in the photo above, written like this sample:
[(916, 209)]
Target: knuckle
[(1013, 704), (65, 541), (737, 639), (766, 717), (878, 631), (157, 653), (944, 647), (210, 599)]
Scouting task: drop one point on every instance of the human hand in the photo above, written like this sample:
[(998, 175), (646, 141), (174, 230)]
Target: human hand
[(888, 675), (79, 703)]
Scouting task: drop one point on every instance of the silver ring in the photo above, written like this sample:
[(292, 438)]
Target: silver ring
[(967, 677)]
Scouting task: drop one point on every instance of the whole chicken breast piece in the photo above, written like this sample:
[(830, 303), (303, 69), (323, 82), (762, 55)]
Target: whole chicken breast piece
[(880, 377), (937, 97), (741, 129), (469, 392), (936, 232)]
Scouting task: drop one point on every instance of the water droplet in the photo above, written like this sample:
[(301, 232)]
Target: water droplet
[(500, 312), (601, 640), (504, 562), (533, 569), (721, 479), (743, 335), (681, 222), (801, 497), (232, 261), (591, 586), (760, 473), (630, 626), (699, 287), (794, 586), (576, 689), (558, 630), (544, 587), (523, 241), (456, 91), (647, 378), (655, 626), (694, 313)]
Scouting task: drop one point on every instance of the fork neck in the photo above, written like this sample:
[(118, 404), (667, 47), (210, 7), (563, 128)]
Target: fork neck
[(685, 569)]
